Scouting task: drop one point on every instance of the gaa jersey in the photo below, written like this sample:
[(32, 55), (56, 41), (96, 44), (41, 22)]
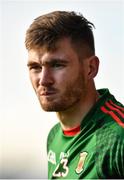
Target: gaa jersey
[(97, 151)]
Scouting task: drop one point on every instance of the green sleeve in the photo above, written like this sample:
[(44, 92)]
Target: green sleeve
[(119, 158)]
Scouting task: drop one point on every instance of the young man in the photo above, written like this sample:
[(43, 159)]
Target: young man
[(88, 141)]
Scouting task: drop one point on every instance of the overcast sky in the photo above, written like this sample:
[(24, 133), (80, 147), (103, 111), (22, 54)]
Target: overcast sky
[(24, 126)]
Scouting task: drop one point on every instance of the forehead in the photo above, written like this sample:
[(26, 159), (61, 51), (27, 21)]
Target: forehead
[(63, 50)]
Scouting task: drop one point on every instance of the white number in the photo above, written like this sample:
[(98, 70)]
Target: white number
[(64, 171)]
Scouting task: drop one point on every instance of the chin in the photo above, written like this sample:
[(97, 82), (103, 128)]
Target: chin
[(53, 107), (48, 107)]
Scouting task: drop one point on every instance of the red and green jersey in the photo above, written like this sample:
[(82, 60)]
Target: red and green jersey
[(97, 151)]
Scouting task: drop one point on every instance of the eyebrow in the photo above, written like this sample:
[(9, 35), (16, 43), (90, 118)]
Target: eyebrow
[(48, 62), (31, 63)]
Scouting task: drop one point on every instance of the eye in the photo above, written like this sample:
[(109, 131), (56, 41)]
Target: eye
[(35, 68), (57, 65)]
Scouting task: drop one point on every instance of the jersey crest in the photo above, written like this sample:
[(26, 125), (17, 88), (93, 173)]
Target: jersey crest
[(81, 162)]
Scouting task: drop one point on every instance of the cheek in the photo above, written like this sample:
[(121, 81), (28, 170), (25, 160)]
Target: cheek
[(34, 80), (60, 77), (67, 80), (69, 74)]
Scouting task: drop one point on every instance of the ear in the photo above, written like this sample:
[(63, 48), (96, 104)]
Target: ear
[(93, 66)]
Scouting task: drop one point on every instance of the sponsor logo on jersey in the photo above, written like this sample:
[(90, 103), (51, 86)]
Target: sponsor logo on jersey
[(64, 155), (52, 157)]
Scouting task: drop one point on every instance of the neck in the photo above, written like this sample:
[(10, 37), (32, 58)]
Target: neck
[(73, 117)]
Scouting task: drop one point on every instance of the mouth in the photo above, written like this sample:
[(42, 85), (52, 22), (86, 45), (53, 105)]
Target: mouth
[(46, 93)]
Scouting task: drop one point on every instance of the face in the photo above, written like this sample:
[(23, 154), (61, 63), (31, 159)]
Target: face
[(58, 77)]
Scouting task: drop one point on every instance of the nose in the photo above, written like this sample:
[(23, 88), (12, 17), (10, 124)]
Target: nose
[(46, 77)]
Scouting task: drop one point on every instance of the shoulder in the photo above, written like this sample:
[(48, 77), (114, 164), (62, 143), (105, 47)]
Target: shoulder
[(113, 112), (111, 122), (53, 132), (110, 138)]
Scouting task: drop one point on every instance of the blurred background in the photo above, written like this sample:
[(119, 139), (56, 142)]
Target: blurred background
[(23, 125)]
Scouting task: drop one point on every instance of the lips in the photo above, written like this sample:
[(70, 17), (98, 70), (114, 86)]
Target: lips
[(47, 93)]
